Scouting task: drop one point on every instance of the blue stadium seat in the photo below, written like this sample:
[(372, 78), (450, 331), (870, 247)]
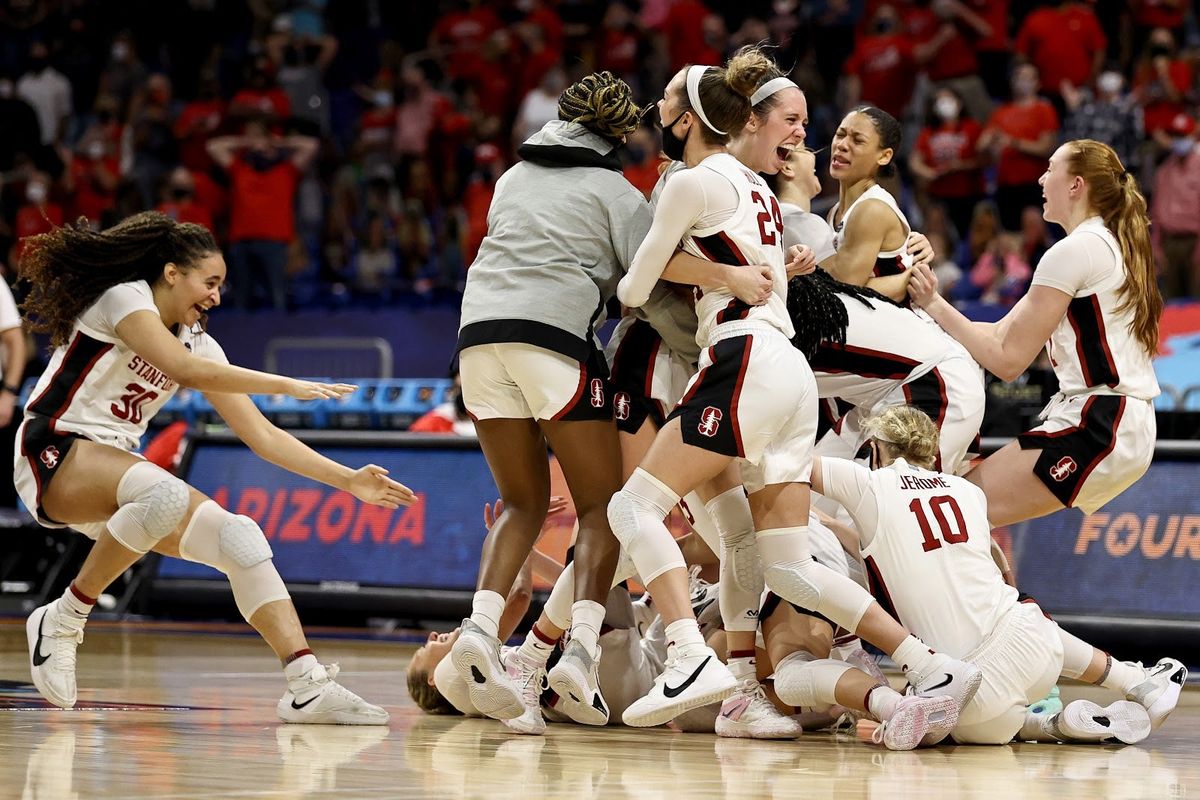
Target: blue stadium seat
[(288, 412), (398, 403), (356, 411)]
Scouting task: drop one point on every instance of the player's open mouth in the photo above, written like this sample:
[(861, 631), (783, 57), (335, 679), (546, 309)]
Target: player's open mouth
[(783, 152), (838, 161)]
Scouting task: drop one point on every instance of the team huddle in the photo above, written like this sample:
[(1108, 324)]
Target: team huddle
[(795, 384), (800, 389)]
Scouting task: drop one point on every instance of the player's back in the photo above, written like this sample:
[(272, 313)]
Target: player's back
[(930, 557)]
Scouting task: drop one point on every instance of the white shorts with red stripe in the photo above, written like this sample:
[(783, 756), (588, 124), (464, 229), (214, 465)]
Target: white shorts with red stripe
[(514, 380), (1093, 446), (754, 398)]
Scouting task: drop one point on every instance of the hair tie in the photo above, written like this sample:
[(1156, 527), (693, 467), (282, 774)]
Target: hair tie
[(771, 87), (694, 74)]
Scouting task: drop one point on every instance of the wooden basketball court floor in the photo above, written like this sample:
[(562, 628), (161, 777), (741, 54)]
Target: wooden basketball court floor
[(172, 713)]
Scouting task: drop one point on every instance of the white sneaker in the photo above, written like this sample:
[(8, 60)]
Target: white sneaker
[(532, 679), (685, 683), (1159, 693), (702, 593), (476, 656), (1085, 721), (576, 681), (748, 714), (916, 721), (315, 698), (958, 679), (53, 637)]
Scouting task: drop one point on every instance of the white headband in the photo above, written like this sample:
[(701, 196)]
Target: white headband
[(771, 87), (694, 74)]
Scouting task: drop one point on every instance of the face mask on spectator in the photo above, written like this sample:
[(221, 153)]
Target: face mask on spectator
[(120, 51), (1158, 49), (636, 153), (1183, 146), (946, 108), (383, 99), (884, 25), (1110, 82), (260, 162), (95, 150), (1024, 87), (181, 192), (36, 193)]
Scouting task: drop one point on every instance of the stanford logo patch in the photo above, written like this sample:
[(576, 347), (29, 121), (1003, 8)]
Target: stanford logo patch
[(621, 404), (1063, 469), (597, 393), (49, 457), (710, 420)]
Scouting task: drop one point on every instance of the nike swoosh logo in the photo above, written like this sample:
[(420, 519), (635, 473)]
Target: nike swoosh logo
[(949, 680), (299, 706), (38, 658), (674, 691)]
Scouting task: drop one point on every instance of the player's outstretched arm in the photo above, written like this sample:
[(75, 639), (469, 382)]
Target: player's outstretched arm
[(370, 483)]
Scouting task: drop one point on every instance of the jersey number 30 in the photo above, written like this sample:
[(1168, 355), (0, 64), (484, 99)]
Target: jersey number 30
[(936, 506), (129, 407), (770, 220)]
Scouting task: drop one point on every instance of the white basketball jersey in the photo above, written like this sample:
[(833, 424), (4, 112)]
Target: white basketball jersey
[(888, 262), (1092, 347), (96, 386), (930, 556), (753, 235)]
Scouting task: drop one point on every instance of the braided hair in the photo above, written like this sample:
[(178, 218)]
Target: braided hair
[(602, 103), (71, 266), (818, 316)]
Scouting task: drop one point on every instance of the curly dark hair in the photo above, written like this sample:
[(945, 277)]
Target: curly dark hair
[(817, 314), (71, 266)]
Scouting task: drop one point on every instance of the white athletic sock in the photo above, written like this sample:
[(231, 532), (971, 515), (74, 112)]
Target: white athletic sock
[(743, 667), (1077, 654), (71, 604), (486, 608), (300, 667), (537, 647), (881, 702), (1122, 676), (586, 618), (685, 635), (914, 657)]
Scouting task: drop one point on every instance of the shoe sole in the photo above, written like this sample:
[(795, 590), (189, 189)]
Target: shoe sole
[(492, 693), (1162, 707), (569, 682), (912, 725), (1086, 721), (292, 717), (665, 713), (972, 686), (31, 637), (516, 726)]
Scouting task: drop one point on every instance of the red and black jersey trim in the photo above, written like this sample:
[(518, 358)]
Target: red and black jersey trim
[(928, 393), (592, 399), (632, 377), (846, 359), (81, 355), (708, 412), (44, 449), (878, 587), (1070, 455), (1091, 342), (887, 265), (720, 249)]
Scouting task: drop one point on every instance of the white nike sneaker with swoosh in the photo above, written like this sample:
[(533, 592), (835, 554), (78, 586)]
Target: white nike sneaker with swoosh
[(315, 698), (1159, 693), (918, 721), (53, 637), (686, 682), (748, 714), (957, 679)]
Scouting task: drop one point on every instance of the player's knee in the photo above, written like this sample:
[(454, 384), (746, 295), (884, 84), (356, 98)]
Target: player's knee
[(151, 504), (793, 581), (622, 517), (643, 494), (223, 540)]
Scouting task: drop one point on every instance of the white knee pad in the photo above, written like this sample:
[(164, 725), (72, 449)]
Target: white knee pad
[(235, 545), (151, 503), (804, 681), (636, 515), (808, 584)]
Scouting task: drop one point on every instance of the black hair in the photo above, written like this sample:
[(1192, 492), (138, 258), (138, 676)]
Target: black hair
[(890, 134), (818, 316)]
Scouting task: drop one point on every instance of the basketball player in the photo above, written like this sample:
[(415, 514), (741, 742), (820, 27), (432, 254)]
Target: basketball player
[(926, 543), (725, 209), (126, 311)]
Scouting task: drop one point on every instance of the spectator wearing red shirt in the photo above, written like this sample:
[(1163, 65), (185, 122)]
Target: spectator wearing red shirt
[(180, 203), (459, 36), (946, 33), (994, 48), (262, 96), (618, 41), (946, 159), (882, 69), (477, 198), (39, 214), (91, 181), (1160, 86), (1150, 14), (1021, 135), (263, 174), (1066, 44), (642, 165), (688, 41), (198, 122), (1176, 210)]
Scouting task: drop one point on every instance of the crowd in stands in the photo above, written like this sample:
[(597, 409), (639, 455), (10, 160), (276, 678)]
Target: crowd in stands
[(346, 152)]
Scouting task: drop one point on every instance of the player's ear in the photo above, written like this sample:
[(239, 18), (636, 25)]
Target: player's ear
[(171, 273)]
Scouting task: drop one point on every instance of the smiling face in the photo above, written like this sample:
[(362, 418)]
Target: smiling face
[(193, 292), (856, 152), (430, 654), (1059, 187), (777, 133)]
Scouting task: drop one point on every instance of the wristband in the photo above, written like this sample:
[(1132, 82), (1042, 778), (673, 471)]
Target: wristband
[(15, 391)]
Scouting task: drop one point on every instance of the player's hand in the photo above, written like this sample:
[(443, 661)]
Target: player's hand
[(752, 285), (919, 248), (371, 484), (801, 260), (491, 512), (922, 285), (314, 390)]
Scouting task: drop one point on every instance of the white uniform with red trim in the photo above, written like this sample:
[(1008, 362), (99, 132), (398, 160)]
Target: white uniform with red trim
[(1098, 432), (926, 544), (888, 262), (97, 387)]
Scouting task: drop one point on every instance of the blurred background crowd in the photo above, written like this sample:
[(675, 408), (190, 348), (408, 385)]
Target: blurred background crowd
[(346, 152)]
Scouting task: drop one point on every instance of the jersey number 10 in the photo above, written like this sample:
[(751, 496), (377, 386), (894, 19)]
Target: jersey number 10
[(936, 507)]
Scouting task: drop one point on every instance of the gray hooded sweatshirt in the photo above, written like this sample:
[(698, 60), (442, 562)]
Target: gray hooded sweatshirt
[(563, 228)]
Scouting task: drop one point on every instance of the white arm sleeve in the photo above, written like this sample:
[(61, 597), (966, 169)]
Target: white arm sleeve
[(100, 320), (850, 484), (1075, 264), (9, 316)]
